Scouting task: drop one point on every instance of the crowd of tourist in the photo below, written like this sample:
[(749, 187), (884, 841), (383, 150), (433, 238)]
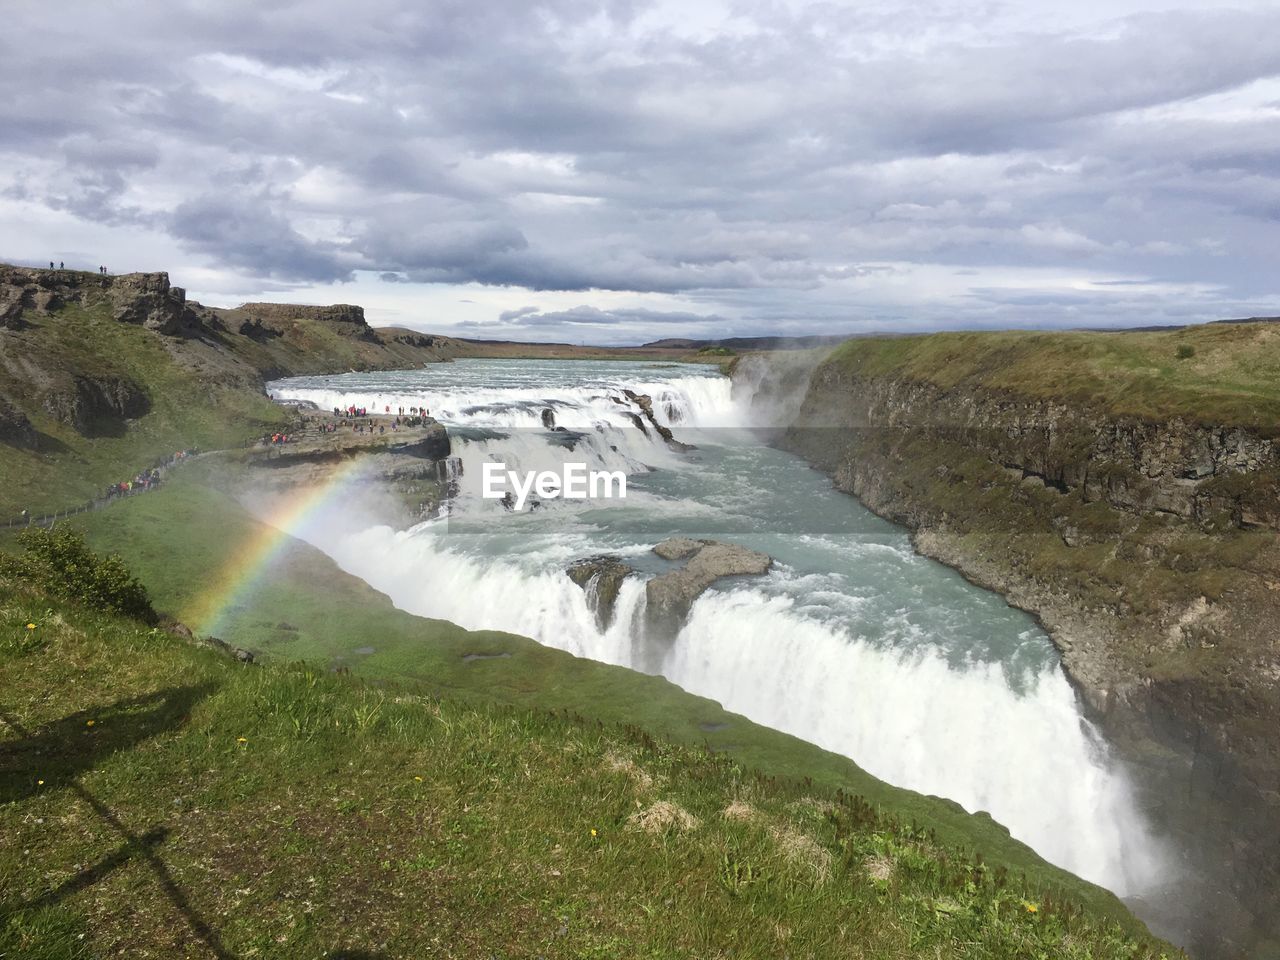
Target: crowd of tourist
[(147, 479), (360, 420)]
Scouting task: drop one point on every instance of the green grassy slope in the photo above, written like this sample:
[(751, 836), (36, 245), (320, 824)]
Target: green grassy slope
[(186, 412), (179, 539), (158, 799), (1231, 376)]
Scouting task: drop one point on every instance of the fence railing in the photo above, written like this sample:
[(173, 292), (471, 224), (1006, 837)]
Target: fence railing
[(49, 519)]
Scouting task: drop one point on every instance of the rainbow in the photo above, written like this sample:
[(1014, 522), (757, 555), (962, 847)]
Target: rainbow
[(244, 572)]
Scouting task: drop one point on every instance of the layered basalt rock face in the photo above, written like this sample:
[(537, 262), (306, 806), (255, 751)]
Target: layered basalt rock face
[(15, 429), (96, 405)]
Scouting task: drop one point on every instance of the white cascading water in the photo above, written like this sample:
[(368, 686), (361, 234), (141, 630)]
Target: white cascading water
[(852, 642)]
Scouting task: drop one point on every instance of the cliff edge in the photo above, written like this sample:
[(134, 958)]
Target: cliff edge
[(1124, 489)]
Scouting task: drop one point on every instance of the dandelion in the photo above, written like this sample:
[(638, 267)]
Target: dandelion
[(1030, 907), (39, 783), (241, 740), (419, 779), (89, 723), (593, 832), (31, 626)]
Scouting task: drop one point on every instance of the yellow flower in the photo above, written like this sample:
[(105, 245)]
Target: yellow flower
[(39, 783), (241, 740), (88, 723), (31, 626), (593, 832), (1030, 907), (419, 779)]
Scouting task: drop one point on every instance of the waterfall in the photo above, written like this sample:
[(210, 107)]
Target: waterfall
[(851, 642)]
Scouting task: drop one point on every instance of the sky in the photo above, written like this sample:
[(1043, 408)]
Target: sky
[(621, 171)]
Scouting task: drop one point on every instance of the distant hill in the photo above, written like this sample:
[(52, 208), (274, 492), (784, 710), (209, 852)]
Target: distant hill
[(1251, 320), (752, 343)]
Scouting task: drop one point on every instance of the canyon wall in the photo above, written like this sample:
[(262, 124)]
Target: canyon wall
[(1145, 545)]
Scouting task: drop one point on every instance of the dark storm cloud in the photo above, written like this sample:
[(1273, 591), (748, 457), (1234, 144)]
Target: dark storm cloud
[(784, 163)]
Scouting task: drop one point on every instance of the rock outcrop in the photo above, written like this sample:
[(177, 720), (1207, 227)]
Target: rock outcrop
[(646, 415), (11, 307), (25, 291), (15, 428), (405, 474), (142, 298), (96, 405), (601, 578), (345, 319), (337, 313), (148, 299), (669, 596)]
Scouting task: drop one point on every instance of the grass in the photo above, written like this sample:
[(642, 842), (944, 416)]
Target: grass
[(1225, 374), (187, 411), (158, 799)]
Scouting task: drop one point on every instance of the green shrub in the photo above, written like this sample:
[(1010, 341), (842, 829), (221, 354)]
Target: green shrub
[(59, 562), (1185, 351)]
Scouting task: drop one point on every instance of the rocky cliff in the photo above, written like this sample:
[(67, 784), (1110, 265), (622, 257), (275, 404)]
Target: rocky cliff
[(45, 315), (1145, 544), (101, 375), (140, 298), (404, 474)]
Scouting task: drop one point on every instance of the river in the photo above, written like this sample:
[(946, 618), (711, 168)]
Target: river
[(852, 641)]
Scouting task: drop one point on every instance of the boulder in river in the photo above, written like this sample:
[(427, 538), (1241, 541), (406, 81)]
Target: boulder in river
[(677, 548), (645, 403), (670, 595), (601, 577)]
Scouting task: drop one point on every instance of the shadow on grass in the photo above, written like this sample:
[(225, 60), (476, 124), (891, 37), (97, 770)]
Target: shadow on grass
[(59, 752), (54, 756), (47, 443)]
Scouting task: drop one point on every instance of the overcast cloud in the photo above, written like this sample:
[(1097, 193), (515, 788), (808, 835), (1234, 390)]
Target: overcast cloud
[(626, 170)]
